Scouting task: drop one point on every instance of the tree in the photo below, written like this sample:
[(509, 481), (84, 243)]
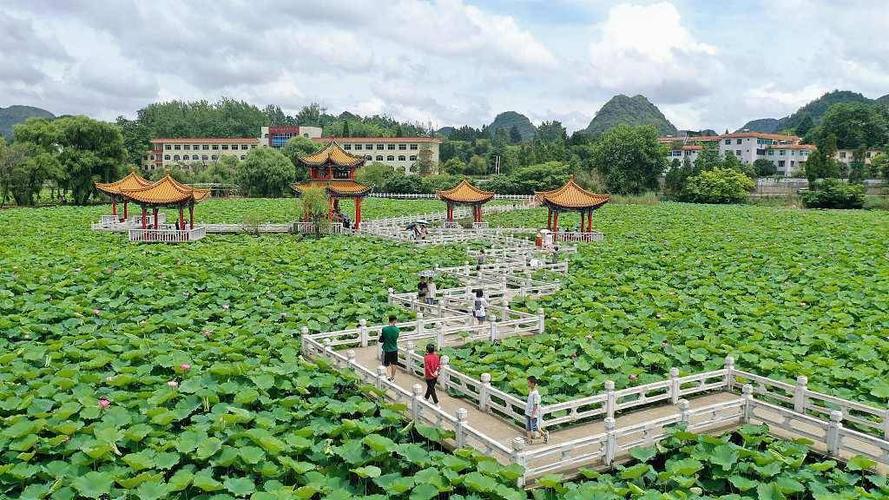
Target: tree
[(764, 168), (857, 166), (454, 166), (821, 163), (879, 166), (855, 125), (720, 185), (552, 132), (23, 169), (295, 148), (833, 193), (805, 125), (265, 172), (224, 171), (405, 184), (375, 174), (315, 206), (501, 138), (515, 136), (676, 177), (477, 166), (425, 164), (311, 115), (708, 158), (629, 159)]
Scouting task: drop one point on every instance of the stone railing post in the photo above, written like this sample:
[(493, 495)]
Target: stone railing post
[(484, 392), (833, 432), (350, 354), (415, 401), (518, 444), (540, 318), (460, 434), (409, 357), (328, 350), (362, 332), (466, 267), (304, 332), (381, 376), (886, 425), (610, 441), (444, 374), (799, 394), (609, 399), (493, 324), (419, 323), (683, 411), (747, 392), (391, 291), (729, 373), (674, 385)]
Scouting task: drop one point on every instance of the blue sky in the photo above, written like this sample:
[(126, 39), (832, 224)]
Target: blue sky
[(714, 64)]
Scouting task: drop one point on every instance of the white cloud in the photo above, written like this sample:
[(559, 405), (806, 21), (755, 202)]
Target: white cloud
[(646, 49)]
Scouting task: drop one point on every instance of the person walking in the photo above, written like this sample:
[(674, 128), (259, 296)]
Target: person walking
[(480, 260), (431, 367), (389, 339), (431, 288), (422, 290), (480, 306), (532, 412)]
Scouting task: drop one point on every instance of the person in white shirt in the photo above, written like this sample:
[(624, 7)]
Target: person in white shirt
[(480, 306), (532, 412), (430, 291)]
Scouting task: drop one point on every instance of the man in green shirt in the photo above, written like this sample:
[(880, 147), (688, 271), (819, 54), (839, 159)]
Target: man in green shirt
[(389, 338)]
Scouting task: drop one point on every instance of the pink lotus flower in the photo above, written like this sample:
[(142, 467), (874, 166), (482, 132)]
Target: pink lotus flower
[(185, 367), (173, 383), (104, 403)]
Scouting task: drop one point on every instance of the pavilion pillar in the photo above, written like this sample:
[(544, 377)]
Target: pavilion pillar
[(357, 213), (125, 202), (154, 213), (144, 217), (113, 205), (549, 218), (191, 216), (589, 220), (330, 208), (181, 219), (555, 228)]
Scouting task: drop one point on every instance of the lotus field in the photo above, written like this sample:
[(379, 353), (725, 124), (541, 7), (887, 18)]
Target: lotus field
[(152, 371)]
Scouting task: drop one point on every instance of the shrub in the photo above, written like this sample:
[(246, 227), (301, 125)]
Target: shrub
[(833, 193), (376, 175), (265, 173), (435, 183), (405, 184), (718, 186), (764, 168)]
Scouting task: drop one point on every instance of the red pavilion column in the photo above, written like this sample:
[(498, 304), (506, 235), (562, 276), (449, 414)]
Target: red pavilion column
[(154, 212), (555, 228), (549, 218), (125, 202), (191, 216), (113, 205), (589, 221), (181, 219), (357, 214), (144, 217)]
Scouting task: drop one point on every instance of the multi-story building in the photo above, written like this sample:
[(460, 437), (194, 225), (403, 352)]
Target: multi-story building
[(784, 151), (277, 136), (185, 151), (399, 152), (847, 155)]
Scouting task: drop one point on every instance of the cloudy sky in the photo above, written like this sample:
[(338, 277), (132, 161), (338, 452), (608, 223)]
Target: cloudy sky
[(705, 63)]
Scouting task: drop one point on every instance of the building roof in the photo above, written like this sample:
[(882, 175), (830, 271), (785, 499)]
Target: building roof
[(572, 197), (206, 140), (464, 192), (338, 188), (692, 147), (378, 139), (810, 147), (761, 135), (167, 191), (334, 154), (131, 181)]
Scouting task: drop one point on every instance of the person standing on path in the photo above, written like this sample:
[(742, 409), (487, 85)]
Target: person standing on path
[(480, 306), (532, 412), (431, 367), (389, 339), (431, 288), (422, 291), (480, 260)]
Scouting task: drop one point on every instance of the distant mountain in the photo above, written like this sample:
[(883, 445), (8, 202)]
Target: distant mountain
[(445, 131), (814, 109), (696, 133), (508, 119), (883, 100), (633, 111), (17, 114)]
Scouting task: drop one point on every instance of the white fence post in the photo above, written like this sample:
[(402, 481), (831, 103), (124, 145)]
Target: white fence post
[(409, 358), (304, 332), (466, 267), (350, 354), (493, 329), (610, 441), (540, 318), (609, 399), (799, 394), (518, 444), (484, 392), (362, 331), (674, 385), (419, 323), (833, 432), (381, 374), (748, 403), (390, 292), (462, 414), (415, 401), (886, 425), (729, 373), (683, 411)]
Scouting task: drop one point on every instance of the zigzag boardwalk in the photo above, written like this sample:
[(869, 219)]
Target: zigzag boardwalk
[(593, 431)]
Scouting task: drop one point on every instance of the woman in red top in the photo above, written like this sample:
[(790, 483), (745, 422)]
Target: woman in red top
[(431, 364)]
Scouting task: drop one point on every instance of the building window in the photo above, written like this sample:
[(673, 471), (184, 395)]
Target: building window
[(380, 147), (358, 147), (205, 157), (205, 147), (252, 146), (306, 135), (215, 147), (187, 147), (175, 157), (194, 157), (737, 152), (166, 157), (214, 157), (401, 158), (379, 157), (842, 154), (390, 158), (151, 157), (781, 152), (195, 147), (347, 147), (781, 164), (243, 147), (368, 157), (243, 156), (728, 141), (413, 157), (368, 147), (177, 147), (413, 147), (402, 147), (390, 147), (167, 147), (737, 141), (225, 147)]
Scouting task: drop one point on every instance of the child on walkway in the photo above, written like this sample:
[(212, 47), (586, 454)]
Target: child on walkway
[(389, 339), (479, 306), (431, 366), (532, 412)]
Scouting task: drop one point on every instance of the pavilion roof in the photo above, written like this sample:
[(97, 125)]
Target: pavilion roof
[(334, 154), (130, 181), (344, 188), (572, 197), (465, 192), (166, 191)]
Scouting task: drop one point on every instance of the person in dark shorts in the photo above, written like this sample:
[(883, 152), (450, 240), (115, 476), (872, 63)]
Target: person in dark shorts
[(431, 367), (389, 339)]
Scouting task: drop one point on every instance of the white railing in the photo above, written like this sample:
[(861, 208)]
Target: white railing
[(167, 235), (266, 227), (579, 236)]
